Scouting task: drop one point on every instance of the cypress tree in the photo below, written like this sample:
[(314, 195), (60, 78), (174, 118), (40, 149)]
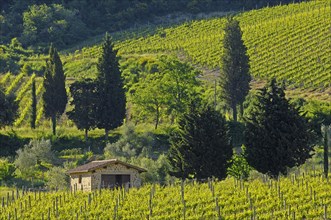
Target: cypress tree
[(33, 106), (201, 147), (55, 95), (111, 107), (277, 137), (235, 77), (326, 133)]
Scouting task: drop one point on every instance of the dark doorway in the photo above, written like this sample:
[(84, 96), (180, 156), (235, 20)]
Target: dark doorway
[(114, 180)]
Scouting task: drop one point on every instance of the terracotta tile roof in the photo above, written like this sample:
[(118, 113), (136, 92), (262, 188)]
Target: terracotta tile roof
[(101, 163)]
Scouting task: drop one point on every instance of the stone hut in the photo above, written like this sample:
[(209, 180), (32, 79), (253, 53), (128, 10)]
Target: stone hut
[(104, 174)]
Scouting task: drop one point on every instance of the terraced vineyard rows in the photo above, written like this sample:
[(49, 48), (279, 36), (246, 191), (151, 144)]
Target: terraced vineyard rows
[(293, 197), (292, 43), (21, 85)]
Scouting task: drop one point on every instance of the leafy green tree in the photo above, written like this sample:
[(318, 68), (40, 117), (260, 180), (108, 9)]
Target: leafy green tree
[(235, 75), (43, 24), (112, 105), (180, 82), (55, 95), (157, 169), (57, 178), (149, 99), (166, 92), (277, 137), (130, 144), (8, 109), (239, 169), (33, 106), (201, 146), (32, 155), (84, 100)]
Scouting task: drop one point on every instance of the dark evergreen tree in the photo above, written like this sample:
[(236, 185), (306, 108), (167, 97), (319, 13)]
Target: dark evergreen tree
[(33, 106), (55, 95), (326, 133), (8, 108), (235, 77), (84, 100), (201, 147), (277, 137), (111, 108)]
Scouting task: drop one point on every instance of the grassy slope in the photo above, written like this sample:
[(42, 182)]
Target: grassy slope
[(291, 42)]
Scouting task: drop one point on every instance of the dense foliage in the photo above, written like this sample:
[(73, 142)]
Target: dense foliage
[(44, 24), (8, 108), (84, 102), (200, 144), (163, 90), (33, 156), (277, 137)]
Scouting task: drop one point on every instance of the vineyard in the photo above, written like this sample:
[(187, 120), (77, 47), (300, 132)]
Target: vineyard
[(301, 195), (291, 43), (21, 85)]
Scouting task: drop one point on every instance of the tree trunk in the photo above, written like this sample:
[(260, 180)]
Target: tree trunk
[(86, 136), (234, 112), (54, 124), (157, 118), (106, 134), (215, 94), (241, 110)]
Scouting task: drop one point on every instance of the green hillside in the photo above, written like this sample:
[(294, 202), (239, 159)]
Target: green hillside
[(291, 43)]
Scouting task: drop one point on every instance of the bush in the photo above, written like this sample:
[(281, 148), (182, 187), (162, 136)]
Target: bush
[(31, 157), (57, 178), (130, 144), (11, 143), (157, 170), (7, 170), (240, 168)]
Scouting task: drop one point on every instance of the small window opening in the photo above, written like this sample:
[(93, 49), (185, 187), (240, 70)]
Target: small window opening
[(80, 179)]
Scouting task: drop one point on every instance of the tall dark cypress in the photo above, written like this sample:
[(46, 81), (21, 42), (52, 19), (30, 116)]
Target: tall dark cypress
[(235, 77), (33, 106), (326, 133), (55, 96), (111, 108)]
